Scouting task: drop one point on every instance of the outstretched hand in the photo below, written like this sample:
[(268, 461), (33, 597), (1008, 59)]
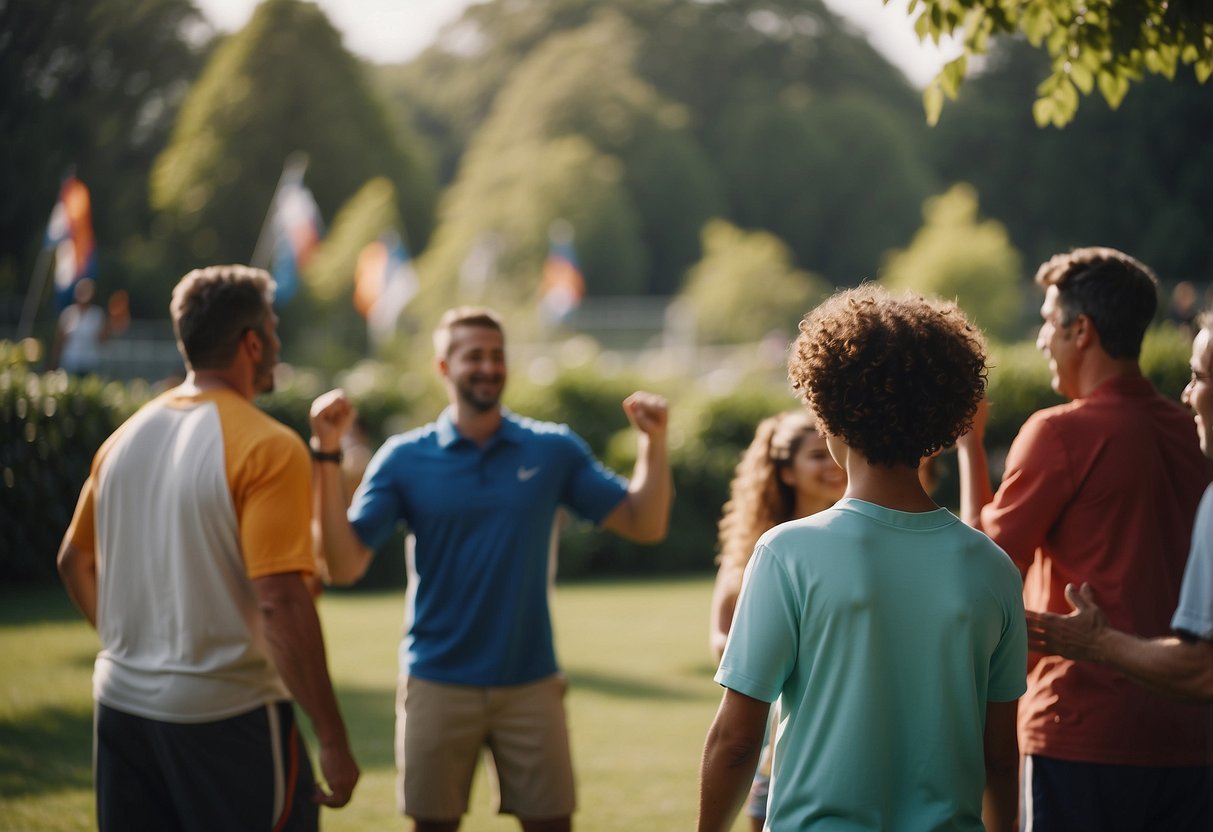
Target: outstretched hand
[(1074, 636), (648, 413)]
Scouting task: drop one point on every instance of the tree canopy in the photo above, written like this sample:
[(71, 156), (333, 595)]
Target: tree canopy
[(1135, 177), (1091, 44), (93, 87), (745, 287), (282, 84), (958, 257)]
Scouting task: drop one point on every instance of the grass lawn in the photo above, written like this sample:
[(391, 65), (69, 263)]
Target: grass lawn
[(640, 702)]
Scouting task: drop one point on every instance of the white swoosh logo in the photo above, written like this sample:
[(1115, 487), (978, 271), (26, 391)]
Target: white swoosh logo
[(525, 473)]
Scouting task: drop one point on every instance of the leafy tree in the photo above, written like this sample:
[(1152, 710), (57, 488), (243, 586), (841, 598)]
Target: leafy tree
[(707, 56), (684, 97), (831, 176), (94, 85), (283, 84), (745, 287), (514, 197), (1102, 45), (957, 257), (1135, 177), (577, 136)]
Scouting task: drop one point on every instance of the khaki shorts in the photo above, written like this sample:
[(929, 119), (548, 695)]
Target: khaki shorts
[(441, 730)]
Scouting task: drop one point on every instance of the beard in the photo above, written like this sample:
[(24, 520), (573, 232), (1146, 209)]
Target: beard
[(481, 403), (263, 373)]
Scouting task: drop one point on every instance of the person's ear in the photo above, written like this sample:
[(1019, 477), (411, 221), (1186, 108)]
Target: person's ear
[(1085, 334), (251, 343)]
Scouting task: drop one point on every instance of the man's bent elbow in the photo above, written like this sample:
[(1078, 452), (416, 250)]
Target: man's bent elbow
[(349, 570)]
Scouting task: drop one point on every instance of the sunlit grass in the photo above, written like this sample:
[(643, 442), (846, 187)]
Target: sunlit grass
[(641, 698)]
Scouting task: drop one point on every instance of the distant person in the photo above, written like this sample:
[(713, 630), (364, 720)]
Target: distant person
[(1180, 664), (83, 327), (189, 553), (891, 634), (785, 473), (1102, 489), (1184, 306), (479, 489)]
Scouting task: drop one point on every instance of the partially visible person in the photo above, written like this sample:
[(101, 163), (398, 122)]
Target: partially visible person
[(1180, 664), (891, 633), (480, 489), (1103, 488), (83, 327), (785, 473), (1184, 306), (189, 553)]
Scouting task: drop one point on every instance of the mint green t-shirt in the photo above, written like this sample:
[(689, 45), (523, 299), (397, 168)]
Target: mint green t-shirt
[(885, 634)]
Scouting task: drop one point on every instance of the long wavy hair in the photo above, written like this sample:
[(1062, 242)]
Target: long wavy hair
[(758, 496)]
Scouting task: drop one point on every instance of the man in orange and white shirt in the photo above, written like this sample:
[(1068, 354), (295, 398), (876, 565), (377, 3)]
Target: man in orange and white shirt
[(190, 552)]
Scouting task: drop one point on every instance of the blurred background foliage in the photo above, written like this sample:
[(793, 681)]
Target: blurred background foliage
[(723, 166)]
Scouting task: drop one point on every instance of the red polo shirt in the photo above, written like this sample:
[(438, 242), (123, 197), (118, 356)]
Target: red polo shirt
[(1104, 490)]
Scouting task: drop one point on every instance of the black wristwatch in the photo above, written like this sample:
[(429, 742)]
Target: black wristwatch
[(325, 456)]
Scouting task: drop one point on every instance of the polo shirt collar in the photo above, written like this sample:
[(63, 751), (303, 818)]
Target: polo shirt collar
[(509, 431)]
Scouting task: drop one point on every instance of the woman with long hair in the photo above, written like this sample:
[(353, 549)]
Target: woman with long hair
[(786, 472)]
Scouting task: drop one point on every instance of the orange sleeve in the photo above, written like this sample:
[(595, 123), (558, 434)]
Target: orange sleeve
[(274, 506)]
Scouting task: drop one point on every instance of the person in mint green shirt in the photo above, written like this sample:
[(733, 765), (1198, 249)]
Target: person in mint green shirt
[(892, 634)]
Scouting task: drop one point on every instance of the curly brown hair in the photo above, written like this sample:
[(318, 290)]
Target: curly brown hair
[(896, 379), (758, 497)]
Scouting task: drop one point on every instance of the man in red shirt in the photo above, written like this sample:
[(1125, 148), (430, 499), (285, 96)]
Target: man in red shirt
[(1103, 489)]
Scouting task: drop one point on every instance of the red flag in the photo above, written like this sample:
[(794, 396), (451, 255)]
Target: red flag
[(70, 233)]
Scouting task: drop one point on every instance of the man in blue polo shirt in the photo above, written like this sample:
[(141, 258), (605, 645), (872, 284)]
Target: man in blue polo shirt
[(479, 490)]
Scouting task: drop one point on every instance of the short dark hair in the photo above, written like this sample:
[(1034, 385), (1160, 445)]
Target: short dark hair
[(896, 378), (1117, 292), (213, 307), (463, 316)]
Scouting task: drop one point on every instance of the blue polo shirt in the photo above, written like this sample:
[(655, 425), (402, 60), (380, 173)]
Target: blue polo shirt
[(483, 522)]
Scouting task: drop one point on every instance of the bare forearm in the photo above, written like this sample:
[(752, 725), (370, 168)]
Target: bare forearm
[(296, 643), (342, 554), (999, 803), (650, 492), (730, 755), (1170, 665), (975, 488), (724, 780)]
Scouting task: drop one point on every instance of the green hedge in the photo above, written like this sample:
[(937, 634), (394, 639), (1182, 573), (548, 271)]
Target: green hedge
[(51, 425)]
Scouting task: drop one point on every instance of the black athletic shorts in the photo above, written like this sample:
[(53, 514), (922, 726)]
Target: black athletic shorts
[(1064, 796), (249, 773)]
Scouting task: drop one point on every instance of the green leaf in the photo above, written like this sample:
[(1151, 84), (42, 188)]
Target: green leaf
[(1042, 111), (1035, 23), (1082, 77), (1114, 87), (932, 101), (952, 74)]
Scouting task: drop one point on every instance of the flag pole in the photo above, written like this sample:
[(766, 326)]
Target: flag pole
[(262, 251), (33, 298)]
